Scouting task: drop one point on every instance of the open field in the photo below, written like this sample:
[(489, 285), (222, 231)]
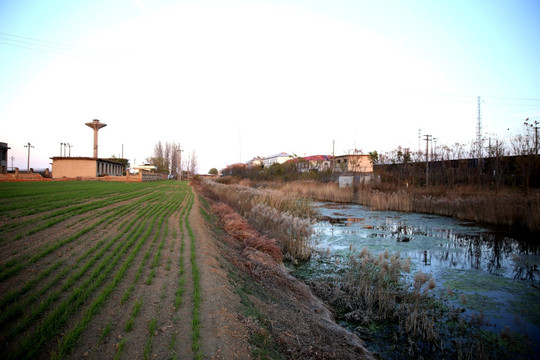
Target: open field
[(100, 270)]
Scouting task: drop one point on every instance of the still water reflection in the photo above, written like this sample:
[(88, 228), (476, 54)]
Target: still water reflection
[(433, 241), (499, 274)]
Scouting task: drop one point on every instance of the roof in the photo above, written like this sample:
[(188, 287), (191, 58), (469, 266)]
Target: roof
[(84, 158), (351, 155), (313, 158), (282, 154)]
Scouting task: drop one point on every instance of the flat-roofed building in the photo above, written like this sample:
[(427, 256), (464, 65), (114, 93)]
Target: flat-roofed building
[(73, 167), (353, 164), (3, 157)]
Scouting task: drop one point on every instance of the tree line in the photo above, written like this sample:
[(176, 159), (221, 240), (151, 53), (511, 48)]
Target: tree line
[(170, 159), (491, 164)]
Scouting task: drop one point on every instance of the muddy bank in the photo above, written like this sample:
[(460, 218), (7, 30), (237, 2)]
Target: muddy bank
[(283, 316)]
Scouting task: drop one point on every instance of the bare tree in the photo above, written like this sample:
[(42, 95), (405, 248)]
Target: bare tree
[(158, 158), (174, 160), (193, 163), (165, 158), (524, 146)]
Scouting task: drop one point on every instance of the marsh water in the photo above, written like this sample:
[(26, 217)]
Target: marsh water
[(490, 273)]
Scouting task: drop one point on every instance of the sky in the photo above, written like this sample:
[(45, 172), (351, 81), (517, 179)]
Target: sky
[(231, 80)]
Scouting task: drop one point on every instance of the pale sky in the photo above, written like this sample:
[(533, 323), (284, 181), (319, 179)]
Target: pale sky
[(233, 80)]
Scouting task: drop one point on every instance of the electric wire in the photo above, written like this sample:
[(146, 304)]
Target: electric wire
[(52, 47)]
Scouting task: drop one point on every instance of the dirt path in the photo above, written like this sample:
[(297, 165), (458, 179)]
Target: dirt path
[(223, 336)]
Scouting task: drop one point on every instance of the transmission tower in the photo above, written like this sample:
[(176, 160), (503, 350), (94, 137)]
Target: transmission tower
[(428, 139), (479, 131)]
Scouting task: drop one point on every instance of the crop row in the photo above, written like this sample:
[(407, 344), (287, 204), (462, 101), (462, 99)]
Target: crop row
[(65, 210), (77, 287)]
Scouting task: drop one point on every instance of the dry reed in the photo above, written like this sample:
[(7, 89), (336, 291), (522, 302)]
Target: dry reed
[(371, 289), (508, 209), (239, 228), (283, 217)]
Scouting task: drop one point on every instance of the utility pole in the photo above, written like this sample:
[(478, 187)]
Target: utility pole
[(12, 158), (419, 139), (69, 147), (28, 162), (428, 138), (61, 144), (333, 154)]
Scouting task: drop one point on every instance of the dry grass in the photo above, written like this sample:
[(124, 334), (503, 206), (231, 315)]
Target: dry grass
[(509, 209), (371, 290), (273, 213), (265, 245), (318, 191), (238, 228)]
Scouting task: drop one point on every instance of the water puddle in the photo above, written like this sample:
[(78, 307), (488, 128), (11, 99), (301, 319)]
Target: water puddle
[(496, 275)]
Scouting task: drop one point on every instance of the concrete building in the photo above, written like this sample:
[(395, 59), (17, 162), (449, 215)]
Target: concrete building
[(3, 157), (84, 167), (276, 159), (313, 162), (256, 161), (353, 164)]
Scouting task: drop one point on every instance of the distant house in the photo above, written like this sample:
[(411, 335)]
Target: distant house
[(73, 167), (256, 161), (276, 159), (138, 168), (353, 164), (314, 162), (3, 157)]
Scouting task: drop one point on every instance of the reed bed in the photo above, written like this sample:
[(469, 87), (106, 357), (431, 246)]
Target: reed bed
[(318, 191), (370, 290), (275, 214), (240, 229), (243, 198), (510, 209)]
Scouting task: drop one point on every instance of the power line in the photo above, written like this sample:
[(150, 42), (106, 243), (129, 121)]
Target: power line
[(51, 47), (80, 48)]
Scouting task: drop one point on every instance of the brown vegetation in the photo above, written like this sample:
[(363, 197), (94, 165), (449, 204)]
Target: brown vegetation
[(284, 218), (509, 209), (239, 228), (285, 319)]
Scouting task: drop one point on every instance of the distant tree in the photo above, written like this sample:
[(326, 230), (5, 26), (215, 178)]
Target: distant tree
[(158, 159), (374, 157), (124, 162), (191, 163), (525, 146), (165, 158), (213, 171)]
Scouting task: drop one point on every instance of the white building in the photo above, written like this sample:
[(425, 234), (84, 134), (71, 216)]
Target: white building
[(276, 159), (137, 168)]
